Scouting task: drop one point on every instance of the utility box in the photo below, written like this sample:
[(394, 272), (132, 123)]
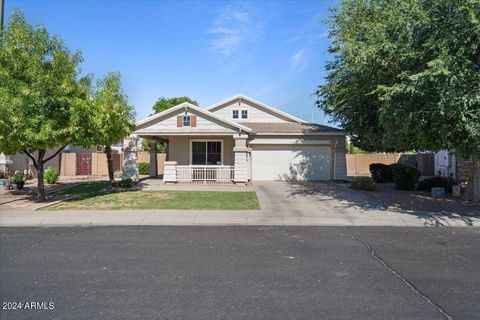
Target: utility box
[(438, 193), (457, 191)]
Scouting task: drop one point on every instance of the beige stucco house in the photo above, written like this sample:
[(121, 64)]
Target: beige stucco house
[(241, 139)]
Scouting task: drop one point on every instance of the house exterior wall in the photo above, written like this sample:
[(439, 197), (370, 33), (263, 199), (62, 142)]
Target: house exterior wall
[(255, 114), (169, 124), (23, 163), (179, 148), (80, 149)]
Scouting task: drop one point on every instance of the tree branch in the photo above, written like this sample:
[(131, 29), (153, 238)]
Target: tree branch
[(35, 164), (55, 154)]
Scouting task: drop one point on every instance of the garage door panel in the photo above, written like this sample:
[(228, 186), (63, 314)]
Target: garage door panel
[(291, 162)]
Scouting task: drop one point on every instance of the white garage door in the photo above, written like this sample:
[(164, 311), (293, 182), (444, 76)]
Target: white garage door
[(290, 162)]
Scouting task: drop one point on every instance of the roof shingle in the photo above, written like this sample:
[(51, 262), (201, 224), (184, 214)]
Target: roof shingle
[(289, 127)]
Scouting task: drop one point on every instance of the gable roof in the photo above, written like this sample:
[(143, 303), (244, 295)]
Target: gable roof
[(197, 109), (255, 102), (291, 128)]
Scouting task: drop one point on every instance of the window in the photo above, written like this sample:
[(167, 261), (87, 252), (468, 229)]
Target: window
[(235, 114), (186, 121), (244, 114), (207, 152)]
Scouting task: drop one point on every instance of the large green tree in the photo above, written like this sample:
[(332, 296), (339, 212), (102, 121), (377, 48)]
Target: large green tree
[(43, 105), (163, 103), (114, 118), (405, 75)]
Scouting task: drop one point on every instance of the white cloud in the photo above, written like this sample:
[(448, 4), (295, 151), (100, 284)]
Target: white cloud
[(310, 32), (298, 61), (232, 28)]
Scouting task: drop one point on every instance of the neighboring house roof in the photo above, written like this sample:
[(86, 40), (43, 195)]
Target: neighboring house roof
[(197, 109), (290, 128), (255, 102)]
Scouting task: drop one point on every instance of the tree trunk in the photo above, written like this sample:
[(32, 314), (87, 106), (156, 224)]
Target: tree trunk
[(108, 152), (40, 182), (473, 188), (39, 164)]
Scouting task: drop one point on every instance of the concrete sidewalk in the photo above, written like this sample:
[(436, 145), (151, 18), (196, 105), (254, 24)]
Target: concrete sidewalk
[(19, 218)]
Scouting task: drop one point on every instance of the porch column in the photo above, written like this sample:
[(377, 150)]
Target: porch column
[(130, 169), (240, 150), (170, 171), (153, 158)]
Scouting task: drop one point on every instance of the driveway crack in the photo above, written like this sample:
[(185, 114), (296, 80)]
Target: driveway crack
[(397, 274)]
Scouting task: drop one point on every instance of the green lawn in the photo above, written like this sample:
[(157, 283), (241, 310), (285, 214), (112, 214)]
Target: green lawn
[(84, 188), (186, 200)]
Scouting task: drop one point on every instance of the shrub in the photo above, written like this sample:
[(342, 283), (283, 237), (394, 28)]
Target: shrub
[(126, 183), (363, 183), (434, 182), (143, 168), (51, 175), (405, 176), (381, 172), (17, 178)]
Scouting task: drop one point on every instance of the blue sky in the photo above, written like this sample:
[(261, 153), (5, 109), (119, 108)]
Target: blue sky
[(274, 52)]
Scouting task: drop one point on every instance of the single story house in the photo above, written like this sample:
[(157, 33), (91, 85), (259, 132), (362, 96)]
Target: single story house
[(241, 139)]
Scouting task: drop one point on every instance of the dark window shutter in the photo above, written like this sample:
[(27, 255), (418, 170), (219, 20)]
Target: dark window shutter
[(179, 121), (193, 121)]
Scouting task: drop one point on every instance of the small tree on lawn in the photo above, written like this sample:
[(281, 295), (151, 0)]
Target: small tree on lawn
[(114, 118), (405, 75), (43, 105)]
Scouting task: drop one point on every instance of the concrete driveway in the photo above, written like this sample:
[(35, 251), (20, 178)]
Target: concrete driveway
[(336, 202)]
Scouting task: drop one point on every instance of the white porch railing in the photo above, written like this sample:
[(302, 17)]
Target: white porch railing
[(198, 173)]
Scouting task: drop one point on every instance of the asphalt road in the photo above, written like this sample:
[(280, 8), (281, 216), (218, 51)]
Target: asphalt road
[(241, 273)]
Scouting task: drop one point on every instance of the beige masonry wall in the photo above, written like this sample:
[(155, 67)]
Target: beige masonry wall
[(358, 164), (144, 156), (68, 164), (99, 164)]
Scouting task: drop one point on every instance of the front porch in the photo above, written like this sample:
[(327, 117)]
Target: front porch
[(155, 184), (201, 146), (198, 173), (200, 159)]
